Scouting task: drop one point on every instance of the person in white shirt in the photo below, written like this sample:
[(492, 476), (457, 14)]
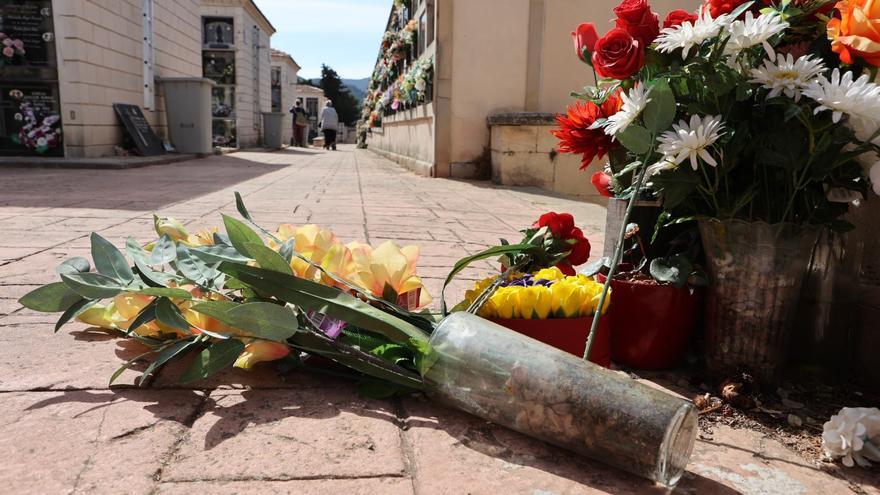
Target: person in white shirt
[(329, 125)]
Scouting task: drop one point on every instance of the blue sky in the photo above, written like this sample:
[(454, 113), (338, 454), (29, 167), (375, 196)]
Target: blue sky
[(344, 34)]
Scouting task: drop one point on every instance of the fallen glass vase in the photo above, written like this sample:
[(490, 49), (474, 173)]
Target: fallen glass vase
[(515, 381)]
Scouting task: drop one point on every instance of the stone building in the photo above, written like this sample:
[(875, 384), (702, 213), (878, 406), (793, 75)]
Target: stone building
[(481, 70), (283, 87), (236, 55), (80, 57), (313, 101)]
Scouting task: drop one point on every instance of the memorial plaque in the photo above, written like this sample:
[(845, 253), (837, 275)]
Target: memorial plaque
[(30, 120), (30, 113), (138, 130)]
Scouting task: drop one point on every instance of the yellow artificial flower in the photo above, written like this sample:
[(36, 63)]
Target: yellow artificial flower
[(170, 227), (568, 297), (472, 294), (101, 316), (388, 266), (340, 262), (204, 237), (260, 351), (535, 302), (506, 300), (310, 241), (552, 274)]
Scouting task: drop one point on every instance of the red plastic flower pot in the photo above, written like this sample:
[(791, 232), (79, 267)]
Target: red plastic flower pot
[(567, 334), (651, 324)]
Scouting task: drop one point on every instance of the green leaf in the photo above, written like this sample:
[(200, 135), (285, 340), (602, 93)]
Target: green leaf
[(147, 315), (180, 348), (674, 270), (52, 298), (72, 312), (153, 277), (219, 355), (426, 358), (167, 313), (240, 235), (356, 360), (269, 259), (77, 264), (218, 254), (659, 114), (92, 285), (492, 252), (164, 251), (327, 300), (193, 268), (116, 374), (109, 261), (215, 309), (635, 138), (264, 320), (134, 249), (165, 292), (286, 250)]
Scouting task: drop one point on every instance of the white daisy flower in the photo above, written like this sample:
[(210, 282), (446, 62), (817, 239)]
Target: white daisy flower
[(634, 102), (754, 31), (841, 95), (787, 76), (689, 140), (660, 166), (688, 35)]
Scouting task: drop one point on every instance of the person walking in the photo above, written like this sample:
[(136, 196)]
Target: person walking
[(300, 123), (329, 125)]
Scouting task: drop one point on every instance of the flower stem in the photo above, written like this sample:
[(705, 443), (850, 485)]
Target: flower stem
[(618, 252)]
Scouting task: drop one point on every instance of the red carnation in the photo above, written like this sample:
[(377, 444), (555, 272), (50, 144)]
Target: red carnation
[(678, 17), (636, 18), (618, 54), (575, 135), (602, 182), (561, 226)]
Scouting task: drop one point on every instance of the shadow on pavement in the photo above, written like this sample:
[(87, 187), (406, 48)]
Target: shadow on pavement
[(147, 188)]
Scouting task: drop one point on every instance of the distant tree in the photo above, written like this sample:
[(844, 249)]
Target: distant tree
[(347, 105)]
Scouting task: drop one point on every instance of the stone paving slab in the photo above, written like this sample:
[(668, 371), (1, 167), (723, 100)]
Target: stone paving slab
[(63, 430)]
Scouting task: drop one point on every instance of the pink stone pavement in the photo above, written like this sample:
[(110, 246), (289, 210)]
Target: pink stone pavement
[(63, 430)]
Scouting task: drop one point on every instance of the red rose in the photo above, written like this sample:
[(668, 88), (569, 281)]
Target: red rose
[(575, 133), (720, 7), (585, 37), (580, 249), (618, 55), (602, 182), (679, 17), (636, 18)]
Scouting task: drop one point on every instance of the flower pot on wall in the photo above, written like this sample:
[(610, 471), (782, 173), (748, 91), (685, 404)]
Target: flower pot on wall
[(651, 323), (756, 271), (567, 334)]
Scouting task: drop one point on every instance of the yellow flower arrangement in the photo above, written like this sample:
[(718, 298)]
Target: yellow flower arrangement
[(545, 294)]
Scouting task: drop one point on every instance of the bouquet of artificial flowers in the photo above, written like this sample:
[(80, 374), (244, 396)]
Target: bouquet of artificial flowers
[(748, 110)]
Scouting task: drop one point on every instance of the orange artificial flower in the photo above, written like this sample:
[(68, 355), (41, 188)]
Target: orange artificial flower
[(856, 34)]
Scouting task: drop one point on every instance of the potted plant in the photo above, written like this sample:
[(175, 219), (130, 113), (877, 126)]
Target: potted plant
[(538, 292), (754, 119), (656, 302), (550, 307)]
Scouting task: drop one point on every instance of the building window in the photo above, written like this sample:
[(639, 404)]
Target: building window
[(149, 74), (218, 32), (218, 65), (276, 89)]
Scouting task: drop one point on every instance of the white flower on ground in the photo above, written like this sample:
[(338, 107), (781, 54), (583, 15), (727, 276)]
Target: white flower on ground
[(853, 434), (634, 102), (787, 76), (754, 31), (688, 35), (841, 95), (689, 140)]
